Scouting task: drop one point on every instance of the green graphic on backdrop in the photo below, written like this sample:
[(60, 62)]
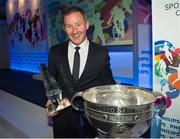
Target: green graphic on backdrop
[(110, 21)]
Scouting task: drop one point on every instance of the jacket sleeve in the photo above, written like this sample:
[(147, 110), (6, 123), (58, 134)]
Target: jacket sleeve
[(106, 74)]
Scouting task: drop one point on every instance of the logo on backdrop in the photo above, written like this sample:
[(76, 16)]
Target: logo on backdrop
[(173, 6), (167, 68)]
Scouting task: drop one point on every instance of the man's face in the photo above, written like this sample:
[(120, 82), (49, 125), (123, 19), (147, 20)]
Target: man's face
[(76, 27)]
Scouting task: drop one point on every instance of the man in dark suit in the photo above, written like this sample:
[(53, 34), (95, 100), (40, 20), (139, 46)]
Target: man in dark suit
[(94, 70)]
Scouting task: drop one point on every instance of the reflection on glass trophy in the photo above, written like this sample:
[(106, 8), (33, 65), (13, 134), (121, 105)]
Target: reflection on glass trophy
[(52, 90)]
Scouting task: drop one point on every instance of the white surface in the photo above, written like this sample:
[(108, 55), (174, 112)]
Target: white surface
[(20, 118)]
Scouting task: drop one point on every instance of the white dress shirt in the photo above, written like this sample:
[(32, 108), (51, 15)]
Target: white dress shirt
[(83, 52)]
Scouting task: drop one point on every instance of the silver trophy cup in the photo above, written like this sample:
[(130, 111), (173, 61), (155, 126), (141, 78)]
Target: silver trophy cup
[(119, 111)]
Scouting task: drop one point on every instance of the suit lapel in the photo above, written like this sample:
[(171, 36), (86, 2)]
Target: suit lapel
[(65, 65), (89, 64)]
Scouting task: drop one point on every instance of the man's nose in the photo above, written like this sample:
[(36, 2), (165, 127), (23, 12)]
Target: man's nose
[(74, 30)]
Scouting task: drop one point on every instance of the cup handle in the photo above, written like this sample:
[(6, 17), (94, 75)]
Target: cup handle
[(161, 103), (77, 95)]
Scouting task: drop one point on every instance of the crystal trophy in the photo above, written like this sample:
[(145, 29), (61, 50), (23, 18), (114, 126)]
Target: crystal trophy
[(52, 90)]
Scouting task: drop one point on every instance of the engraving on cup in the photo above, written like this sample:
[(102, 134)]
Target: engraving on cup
[(113, 109), (116, 118)]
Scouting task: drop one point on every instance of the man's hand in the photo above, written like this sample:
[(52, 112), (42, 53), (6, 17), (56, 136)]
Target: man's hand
[(62, 104), (65, 102), (48, 103)]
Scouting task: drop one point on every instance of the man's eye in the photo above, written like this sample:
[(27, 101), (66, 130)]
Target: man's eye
[(68, 26), (78, 25)]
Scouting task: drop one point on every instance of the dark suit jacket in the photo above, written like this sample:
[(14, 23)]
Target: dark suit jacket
[(96, 72)]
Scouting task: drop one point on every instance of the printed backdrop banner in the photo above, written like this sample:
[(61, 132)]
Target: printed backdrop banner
[(111, 21), (144, 44), (26, 34), (166, 62)]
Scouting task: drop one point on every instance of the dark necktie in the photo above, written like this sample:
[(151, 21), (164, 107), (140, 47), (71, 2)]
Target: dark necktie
[(76, 64)]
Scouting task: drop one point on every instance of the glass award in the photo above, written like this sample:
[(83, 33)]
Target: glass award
[(52, 90)]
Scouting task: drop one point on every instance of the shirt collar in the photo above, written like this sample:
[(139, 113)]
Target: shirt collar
[(84, 44)]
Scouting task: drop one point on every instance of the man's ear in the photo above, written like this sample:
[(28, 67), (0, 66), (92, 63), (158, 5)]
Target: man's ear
[(87, 24), (64, 28)]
